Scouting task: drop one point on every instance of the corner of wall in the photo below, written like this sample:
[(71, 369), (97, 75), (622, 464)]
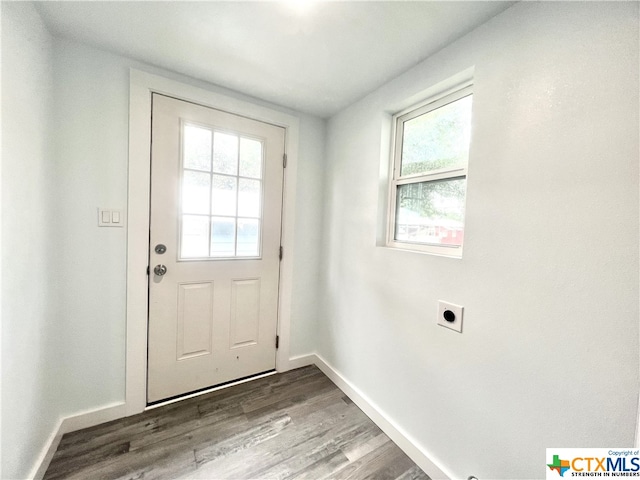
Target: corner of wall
[(29, 301), (408, 445), (72, 423)]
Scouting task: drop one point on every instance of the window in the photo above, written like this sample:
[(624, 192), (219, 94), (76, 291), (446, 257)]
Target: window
[(221, 208), (429, 178)]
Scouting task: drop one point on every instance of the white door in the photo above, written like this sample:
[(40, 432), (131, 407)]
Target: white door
[(216, 203)]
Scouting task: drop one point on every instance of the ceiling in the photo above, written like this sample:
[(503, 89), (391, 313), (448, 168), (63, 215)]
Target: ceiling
[(315, 57)]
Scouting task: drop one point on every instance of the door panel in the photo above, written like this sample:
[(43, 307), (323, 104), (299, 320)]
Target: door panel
[(216, 201), (195, 319), (245, 312)]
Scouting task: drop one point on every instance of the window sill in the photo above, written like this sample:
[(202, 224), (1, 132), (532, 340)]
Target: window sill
[(447, 252)]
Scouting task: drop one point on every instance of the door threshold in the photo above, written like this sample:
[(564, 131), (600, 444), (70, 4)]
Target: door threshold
[(204, 391)]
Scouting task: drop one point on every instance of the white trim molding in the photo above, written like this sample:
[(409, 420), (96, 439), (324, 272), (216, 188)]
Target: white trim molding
[(142, 85), (115, 411), (49, 449), (409, 446), (302, 361), (86, 419)]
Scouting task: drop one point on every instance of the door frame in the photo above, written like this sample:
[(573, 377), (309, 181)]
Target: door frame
[(141, 86)]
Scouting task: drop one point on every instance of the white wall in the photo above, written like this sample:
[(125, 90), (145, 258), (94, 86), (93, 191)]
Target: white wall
[(65, 145), (91, 134), (549, 277), (308, 236), (29, 359)]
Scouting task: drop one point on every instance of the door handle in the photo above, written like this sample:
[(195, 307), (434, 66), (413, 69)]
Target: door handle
[(160, 270)]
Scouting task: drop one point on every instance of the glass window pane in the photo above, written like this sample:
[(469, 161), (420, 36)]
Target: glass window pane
[(225, 153), (438, 139), (195, 236), (223, 195), (197, 148), (249, 198), (195, 192), (223, 237), (431, 212), (250, 158), (248, 237)]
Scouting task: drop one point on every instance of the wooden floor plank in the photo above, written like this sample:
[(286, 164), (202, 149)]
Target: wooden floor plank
[(385, 462), (321, 468), (304, 458), (359, 449), (295, 425), (414, 473), (242, 440), (272, 458), (60, 468)]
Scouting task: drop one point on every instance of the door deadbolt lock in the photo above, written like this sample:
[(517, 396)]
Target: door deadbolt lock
[(160, 249), (160, 270)]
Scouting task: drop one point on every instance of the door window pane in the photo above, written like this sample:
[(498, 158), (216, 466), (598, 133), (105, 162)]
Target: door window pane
[(221, 181), (196, 187), (224, 195), (248, 237), (195, 236), (249, 198), (197, 148), (223, 237), (431, 212), (250, 158), (437, 139), (225, 153)]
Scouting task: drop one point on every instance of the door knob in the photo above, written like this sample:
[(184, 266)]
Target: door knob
[(160, 270)]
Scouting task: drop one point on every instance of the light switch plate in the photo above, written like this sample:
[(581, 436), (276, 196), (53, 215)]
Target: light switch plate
[(108, 217), (450, 316)]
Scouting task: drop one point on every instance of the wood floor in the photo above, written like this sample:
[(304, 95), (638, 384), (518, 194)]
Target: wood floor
[(292, 425)]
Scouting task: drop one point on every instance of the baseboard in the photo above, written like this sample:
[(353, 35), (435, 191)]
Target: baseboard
[(301, 361), (388, 426), (49, 449), (72, 423), (91, 418)]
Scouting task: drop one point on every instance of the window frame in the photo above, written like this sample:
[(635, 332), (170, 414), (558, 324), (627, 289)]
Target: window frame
[(396, 179)]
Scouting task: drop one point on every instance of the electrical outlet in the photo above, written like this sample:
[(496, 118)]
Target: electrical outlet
[(450, 315)]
